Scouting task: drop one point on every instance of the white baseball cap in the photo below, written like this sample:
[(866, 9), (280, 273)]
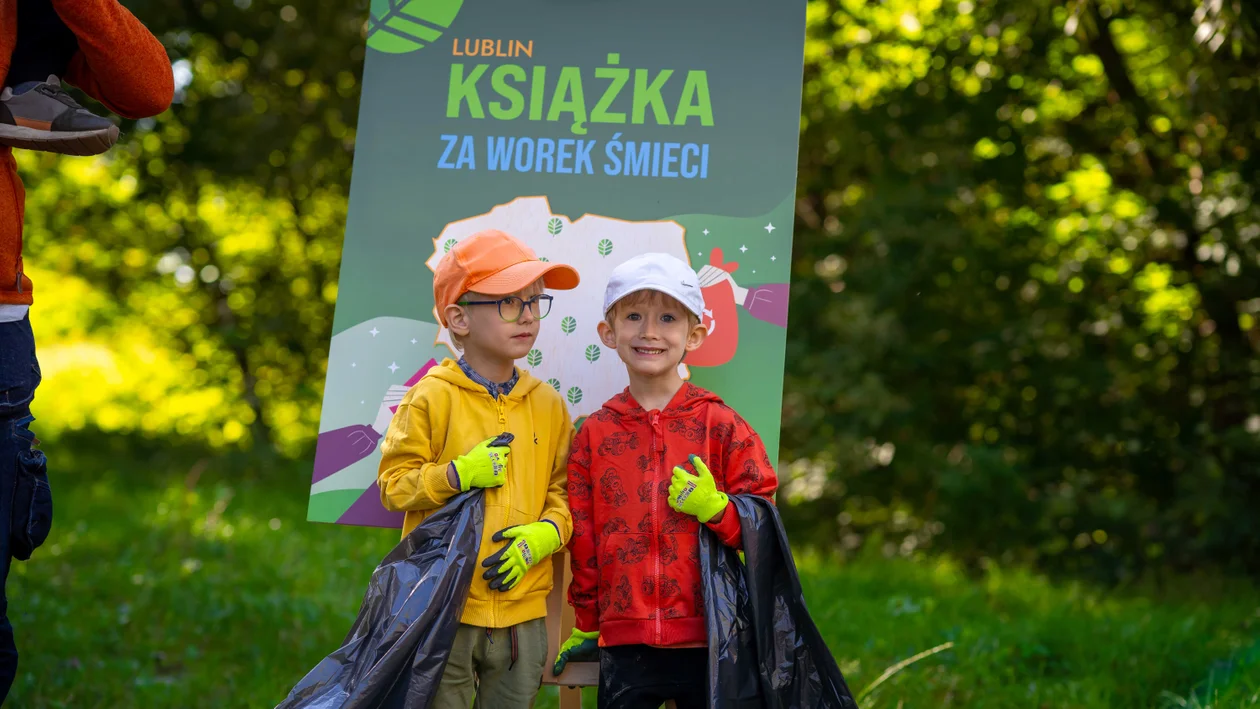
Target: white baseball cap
[(658, 272)]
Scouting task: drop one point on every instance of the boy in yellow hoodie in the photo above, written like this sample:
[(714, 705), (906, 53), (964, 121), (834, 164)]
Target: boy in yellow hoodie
[(489, 294)]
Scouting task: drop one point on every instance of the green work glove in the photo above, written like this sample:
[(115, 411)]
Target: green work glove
[(530, 544), (485, 465), (696, 495), (580, 647)]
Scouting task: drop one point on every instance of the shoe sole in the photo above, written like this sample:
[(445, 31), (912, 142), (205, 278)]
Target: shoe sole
[(88, 142)]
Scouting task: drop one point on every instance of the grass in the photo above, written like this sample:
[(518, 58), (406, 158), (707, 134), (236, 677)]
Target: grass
[(1021, 641), (165, 586)]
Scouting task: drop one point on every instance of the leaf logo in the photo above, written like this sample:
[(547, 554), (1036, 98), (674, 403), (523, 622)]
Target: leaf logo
[(568, 325), (592, 353), (534, 358), (403, 26), (555, 226)]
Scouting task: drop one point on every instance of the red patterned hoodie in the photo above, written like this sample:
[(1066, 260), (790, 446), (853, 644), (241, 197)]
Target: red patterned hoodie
[(635, 560)]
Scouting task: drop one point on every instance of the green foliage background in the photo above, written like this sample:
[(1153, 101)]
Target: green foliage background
[(1025, 309), (1024, 338)]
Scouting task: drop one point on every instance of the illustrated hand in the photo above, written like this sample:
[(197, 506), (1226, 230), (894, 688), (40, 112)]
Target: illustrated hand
[(696, 495), (712, 275), (395, 393), (718, 271), (340, 448), (580, 647), (485, 465), (393, 397), (529, 544)]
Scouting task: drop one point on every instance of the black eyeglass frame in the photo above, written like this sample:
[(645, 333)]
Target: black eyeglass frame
[(535, 304)]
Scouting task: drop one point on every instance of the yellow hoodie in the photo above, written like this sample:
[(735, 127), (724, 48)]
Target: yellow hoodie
[(442, 417)]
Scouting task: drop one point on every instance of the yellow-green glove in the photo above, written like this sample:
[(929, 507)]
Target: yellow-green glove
[(485, 465), (530, 544), (580, 647), (696, 495)]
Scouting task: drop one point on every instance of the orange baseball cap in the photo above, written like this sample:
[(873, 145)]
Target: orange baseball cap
[(493, 263)]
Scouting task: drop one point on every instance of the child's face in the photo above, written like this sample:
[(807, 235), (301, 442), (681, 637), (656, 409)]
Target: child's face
[(488, 333), (651, 332)]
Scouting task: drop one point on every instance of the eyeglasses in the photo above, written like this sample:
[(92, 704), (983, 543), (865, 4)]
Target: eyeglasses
[(511, 308)]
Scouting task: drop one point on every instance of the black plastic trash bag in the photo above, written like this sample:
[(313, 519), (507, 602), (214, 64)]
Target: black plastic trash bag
[(395, 652), (764, 649), (734, 680)]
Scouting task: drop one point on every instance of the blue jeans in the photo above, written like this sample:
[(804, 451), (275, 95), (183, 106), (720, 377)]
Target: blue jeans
[(21, 467)]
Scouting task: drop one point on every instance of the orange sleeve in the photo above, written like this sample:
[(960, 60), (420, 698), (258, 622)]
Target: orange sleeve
[(119, 62)]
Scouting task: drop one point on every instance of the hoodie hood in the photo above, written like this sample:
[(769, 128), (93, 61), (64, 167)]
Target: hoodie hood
[(450, 373), (686, 402)]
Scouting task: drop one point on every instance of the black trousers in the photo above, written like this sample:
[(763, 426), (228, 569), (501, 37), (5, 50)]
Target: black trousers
[(643, 677), (44, 44)]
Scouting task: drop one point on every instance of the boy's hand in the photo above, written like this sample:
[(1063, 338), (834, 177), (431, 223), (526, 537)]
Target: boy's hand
[(530, 544), (485, 465), (696, 495), (580, 647)]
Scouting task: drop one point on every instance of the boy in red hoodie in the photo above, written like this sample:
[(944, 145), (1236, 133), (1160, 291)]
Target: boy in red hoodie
[(645, 471)]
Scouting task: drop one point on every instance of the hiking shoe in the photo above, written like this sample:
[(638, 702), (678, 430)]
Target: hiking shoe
[(47, 118)]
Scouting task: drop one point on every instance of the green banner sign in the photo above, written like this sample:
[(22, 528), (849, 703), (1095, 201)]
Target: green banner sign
[(593, 131)]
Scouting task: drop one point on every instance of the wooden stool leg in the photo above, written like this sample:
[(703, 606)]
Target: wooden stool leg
[(559, 625)]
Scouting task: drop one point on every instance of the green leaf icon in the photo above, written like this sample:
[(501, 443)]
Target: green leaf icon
[(605, 247), (401, 26), (568, 325), (575, 396), (534, 358), (592, 353), (554, 226), (450, 244), (543, 258), (555, 384)]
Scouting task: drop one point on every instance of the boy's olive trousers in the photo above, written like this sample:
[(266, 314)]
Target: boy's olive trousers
[(501, 667)]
